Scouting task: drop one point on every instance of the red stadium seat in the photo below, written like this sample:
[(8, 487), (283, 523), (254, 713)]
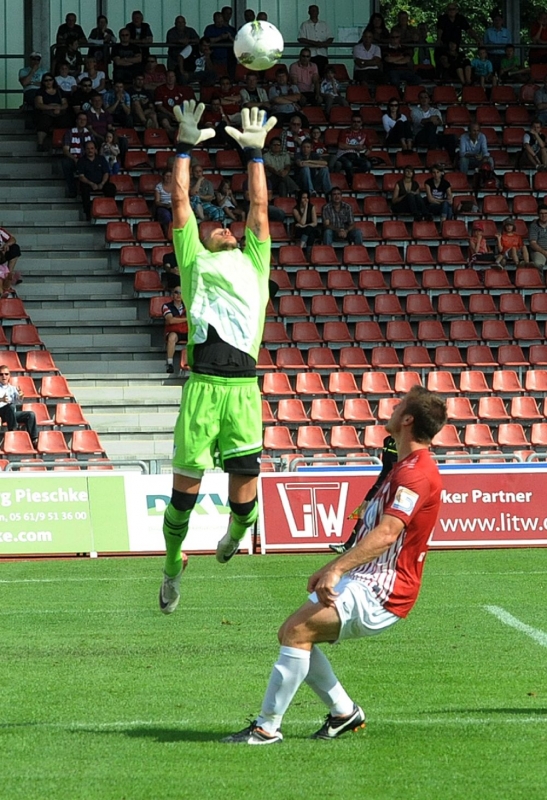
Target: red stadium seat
[(289, 359), (54, 386), (371, 281), (105, 208), (344, 438), (442, 383), (86, 443), (447, 438), (447, 356), (40, 361), (385, 358), (480, 355), (325, 411), (136, 160), (40, 411), (306, 334), (275, 333), (10, 359), (17, 443), (431, 331), (419, 305), (368, 332), (310, 383), (478, 435), (133, 257), (150, 232), (278, 437), (228, 161), (511, 434), (342, 383), (460, 408), (324, 255), (340, 282), (387, 306), (374, 437), (375, 383), (52, 442), (136, 208), (291, 411), (417, 357), (311, 438), (353, 358), (357, 409), (492, 409), (321, 359), (511, 355), (276, 384), (69, 415), (147, 282), (23, 336), (404, 381), (525, 408), (292, 256), (473, 382), (264, 361)]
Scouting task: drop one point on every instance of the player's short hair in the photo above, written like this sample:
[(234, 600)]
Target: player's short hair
[(429, 412)]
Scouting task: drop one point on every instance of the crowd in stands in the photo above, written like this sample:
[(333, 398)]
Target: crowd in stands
[(423, 108)]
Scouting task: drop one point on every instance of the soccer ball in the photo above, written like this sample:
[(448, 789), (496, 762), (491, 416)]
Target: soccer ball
[(258, 45)]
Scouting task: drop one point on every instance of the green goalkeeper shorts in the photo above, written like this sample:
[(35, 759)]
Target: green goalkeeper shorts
[(220, 419)]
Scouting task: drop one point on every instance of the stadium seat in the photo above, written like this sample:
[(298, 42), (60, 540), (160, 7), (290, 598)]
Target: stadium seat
[(442, 383), (357, 409), (136, 160), (148, 182), (340, 116), (387, 306), (344, 438), (511, 355), (155, 308), (368, 332), (407, 158), (340, 282), (276, 384), (403, 281), (281, 278), (495, 206), (289, 359), (23, 336), (494, 330), (460, 409), (353, 358), (105, 208), (528, 278), (65, 464), (147, 282), (404, 381), (492, 409), (449, 356), (17, 443), (538, 355), (228, 161), (321, 359), (26, 385), (375, 383), (386, 405), (40, 361), (124, 184), (478, 435), (324, 308), (462, 331), (525, 408), (278, 437), (526, 331), (52, 443), (511, 434), (11, 360), (371, 281), (385, 358), (400, 331), (387, 255), (69, 415), (450, 255), (358, 95), (336, 334), (434, 281), (417, 357), (355, 307), (512, 136), (394, 230), (458, 115), (473, 382), (275, 333), (323, 255), (482, 305), (133, 257), (306, 334), (419, 256), (41, 412), (374, 207), (365, 183), (342, 383), (480, 355), (293, 306), (324, 410), (506, 381), (54, 386), (356, 255), (538, 305), (538, 434), (430, 331), (497, 281), (488, 115), (291, 411), (374, 437), (447, 438), (150, 232), (85, 442), (451, 305), (433, 157), (536, 381), (264, 361), (369, 231), (515, 182), (419, 305), (310, 383), (454, 229), (292, 256), (136, 208), (311, 438), (503, 95)]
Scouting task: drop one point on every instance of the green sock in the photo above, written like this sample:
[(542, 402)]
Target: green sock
[(239, 524), (175, 528)]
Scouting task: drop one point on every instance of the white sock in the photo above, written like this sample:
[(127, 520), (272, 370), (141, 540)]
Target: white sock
[(288, 673), (169, 361), (326, 685)]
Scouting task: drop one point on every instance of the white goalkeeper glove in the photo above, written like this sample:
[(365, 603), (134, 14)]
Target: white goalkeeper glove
[(189, 135), (255, 129)]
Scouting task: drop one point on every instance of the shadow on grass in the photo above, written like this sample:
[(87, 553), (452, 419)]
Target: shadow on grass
[(493, 711), (164, 735)]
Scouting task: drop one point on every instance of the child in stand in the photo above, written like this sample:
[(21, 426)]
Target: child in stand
[(110, 150), (483, 69), (511, 245), (511, 67), (480, 255), (224, 198), (330, 91)]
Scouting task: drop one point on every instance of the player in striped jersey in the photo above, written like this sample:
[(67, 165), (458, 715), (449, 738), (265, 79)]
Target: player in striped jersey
[(369, 588), (225, 292)]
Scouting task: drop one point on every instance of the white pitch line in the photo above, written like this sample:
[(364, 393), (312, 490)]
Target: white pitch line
[(232, 577), (508, 619)]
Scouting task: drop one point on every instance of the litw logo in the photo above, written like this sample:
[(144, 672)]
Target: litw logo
[(309, 503)]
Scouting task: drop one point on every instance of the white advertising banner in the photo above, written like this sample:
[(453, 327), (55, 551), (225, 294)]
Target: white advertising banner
[(147, 497)]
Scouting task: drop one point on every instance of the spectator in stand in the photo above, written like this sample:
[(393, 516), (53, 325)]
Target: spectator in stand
[(438, 192), (80, 100), (225, 199), (511, 245), (480, 254), (168, 96), (292, 138), (534, 151), (118, 103), (427, 127), (162, 200), (278, 164), (496, 38), (454, 66), (110, 149), (330, 91), (424, 53), (511, 68), (72, 55), (221, 35), (248, 16), (154, 74), (407, 198), (94, 176), (353, 148), (305, 75), (285, 99), (10, 252), (313, 171), (179, 38), (397, 127), (227, 12), (127, 58), (367, 60), (10, 397), (142, 104), (99, 121), (30, 78), (74, 142), (97, 76), (202, 192), (253, 95), (338, 222), (407, 33), (398, 63), (69, 28), (320, 148), (537, 234), (176, 326), (377, 26), (262, 16), (306, 227), (474, 149), (171, 273), (51, 110), (141, 34), (230, 100), (450, 28), (204, 69), (100, 38), (317, 36), (483, 70), (538, 36), (540, 102), (67, 83), (214, 117)]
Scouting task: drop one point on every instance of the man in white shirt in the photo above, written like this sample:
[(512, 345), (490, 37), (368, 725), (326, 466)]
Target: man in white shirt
[(10, 397), (317, 36), (367, 58)]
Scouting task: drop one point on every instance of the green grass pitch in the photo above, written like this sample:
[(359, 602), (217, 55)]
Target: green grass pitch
[(104, 698)]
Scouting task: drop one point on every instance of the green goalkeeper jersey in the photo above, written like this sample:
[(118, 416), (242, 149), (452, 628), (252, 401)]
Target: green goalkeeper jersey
[(227, 290)]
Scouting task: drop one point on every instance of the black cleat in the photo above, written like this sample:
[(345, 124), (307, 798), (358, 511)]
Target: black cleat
[(333, 727), (252, 734), (169, 368)]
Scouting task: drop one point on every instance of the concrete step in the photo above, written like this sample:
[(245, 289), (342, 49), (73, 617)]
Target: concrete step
[(39, 165), (60, 290), (91, 379), (160, 448), (95, 341), (139, 366), (16, 214), (76, 264), (148, 423), (43, 316), (54, 239), (137, 394)]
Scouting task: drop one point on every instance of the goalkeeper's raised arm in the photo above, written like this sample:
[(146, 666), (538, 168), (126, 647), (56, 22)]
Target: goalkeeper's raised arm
[(188, 137)]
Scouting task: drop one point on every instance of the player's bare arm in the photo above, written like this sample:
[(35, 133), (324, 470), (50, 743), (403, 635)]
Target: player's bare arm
[(189, 135), (252, 139), (371, 546)]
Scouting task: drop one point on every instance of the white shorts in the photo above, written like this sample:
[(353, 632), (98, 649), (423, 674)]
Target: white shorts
[(360, 611)]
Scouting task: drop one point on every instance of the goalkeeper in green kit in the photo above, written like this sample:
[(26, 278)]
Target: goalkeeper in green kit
[(225, 293)]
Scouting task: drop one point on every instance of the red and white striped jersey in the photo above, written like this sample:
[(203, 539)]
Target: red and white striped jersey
[(412, 493)]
